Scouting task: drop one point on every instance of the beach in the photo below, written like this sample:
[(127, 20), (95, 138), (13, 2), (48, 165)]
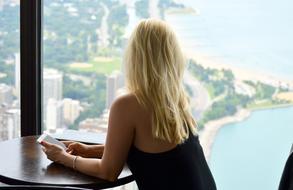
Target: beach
[(208, 134), (255, 50), (240, 73)]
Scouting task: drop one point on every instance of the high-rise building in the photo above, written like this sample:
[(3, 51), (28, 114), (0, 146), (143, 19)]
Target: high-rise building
[(120, 79), (114, 82), (54, 111), (17, 74), (9, 123), (71, 110), (102, 32), (52, 89), (111, 90), (5, 94), (52, 84), (3, 124), (13, 122)]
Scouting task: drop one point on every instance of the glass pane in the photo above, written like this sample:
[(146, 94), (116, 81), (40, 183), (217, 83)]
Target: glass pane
[(239, 69), (241, 56), (9, 70)]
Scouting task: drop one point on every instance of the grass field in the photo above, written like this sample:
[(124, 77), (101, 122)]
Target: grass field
[(102, 65), (285, 96), (260, 105), (268, 104)]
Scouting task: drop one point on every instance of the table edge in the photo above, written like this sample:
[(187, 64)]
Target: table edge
[(106, 184)]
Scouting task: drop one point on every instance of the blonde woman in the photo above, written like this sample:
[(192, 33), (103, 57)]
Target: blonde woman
[(151, 128)]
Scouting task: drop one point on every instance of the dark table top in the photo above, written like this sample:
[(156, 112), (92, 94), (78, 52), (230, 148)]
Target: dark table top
[(23, 162)]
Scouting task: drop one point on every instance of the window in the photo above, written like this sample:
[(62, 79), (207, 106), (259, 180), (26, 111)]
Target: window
[(82, 50), (9, 70), (240, 55), (239, 69), (82, 43)]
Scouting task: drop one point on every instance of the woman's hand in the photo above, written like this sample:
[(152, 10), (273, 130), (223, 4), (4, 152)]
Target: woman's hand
[(54, 152), (76, 148), (83, 150)]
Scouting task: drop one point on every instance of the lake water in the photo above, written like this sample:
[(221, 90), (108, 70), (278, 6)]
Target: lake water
[(252, 154), (254, 34)]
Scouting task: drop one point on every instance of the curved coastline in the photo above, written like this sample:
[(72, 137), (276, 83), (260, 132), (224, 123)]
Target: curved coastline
[(211, 129), (240, 73), (208, 134)]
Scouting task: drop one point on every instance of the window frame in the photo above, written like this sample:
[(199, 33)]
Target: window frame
[(31, 66)]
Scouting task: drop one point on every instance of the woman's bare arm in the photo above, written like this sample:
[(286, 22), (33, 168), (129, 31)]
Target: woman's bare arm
[(119, 139), (84, 150), (95, 151)]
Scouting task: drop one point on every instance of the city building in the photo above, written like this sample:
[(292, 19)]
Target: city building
[(102, 32), (54, 115), (114, 82), (115, 88), (71, 110), (13, 122), (9, 123), (52, 88), (96, 125), (17, 75), (5, 94), (3, 124), (111, 90)]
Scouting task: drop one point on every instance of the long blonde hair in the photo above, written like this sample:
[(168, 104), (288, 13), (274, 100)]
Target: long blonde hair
[(155, 65)]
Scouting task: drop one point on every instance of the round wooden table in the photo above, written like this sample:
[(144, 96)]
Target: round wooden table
[(22, 162)]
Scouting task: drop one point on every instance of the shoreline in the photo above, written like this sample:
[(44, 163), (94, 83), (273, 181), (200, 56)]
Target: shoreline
[(277, 106), (241, 73), (208, 134)]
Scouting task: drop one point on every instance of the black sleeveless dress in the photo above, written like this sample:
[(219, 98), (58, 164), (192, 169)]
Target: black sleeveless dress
[(183, 167)]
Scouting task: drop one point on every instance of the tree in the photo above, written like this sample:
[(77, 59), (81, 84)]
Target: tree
[(142, 9)]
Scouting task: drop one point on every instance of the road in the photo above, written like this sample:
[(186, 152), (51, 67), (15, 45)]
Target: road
[(200, 99), (154, 11)]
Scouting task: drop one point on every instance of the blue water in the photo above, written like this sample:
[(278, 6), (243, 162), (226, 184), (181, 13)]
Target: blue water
[(254, 34), (251, 154)]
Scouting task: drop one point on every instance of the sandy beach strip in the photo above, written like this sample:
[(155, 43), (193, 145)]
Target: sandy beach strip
[(240, 73), (208, 134)]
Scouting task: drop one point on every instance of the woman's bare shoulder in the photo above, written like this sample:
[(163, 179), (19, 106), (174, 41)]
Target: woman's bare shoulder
[(127, 102), (126, 99), (127, 108)]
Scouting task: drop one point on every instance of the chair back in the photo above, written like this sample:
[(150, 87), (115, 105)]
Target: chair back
[(286, 182), (38, 187)]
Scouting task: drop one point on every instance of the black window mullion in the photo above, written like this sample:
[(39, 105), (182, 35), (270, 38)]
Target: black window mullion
[(30, 66)]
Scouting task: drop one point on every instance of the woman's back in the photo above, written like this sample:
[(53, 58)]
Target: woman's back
[(143, 137), (152, 127), (158, 164)]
